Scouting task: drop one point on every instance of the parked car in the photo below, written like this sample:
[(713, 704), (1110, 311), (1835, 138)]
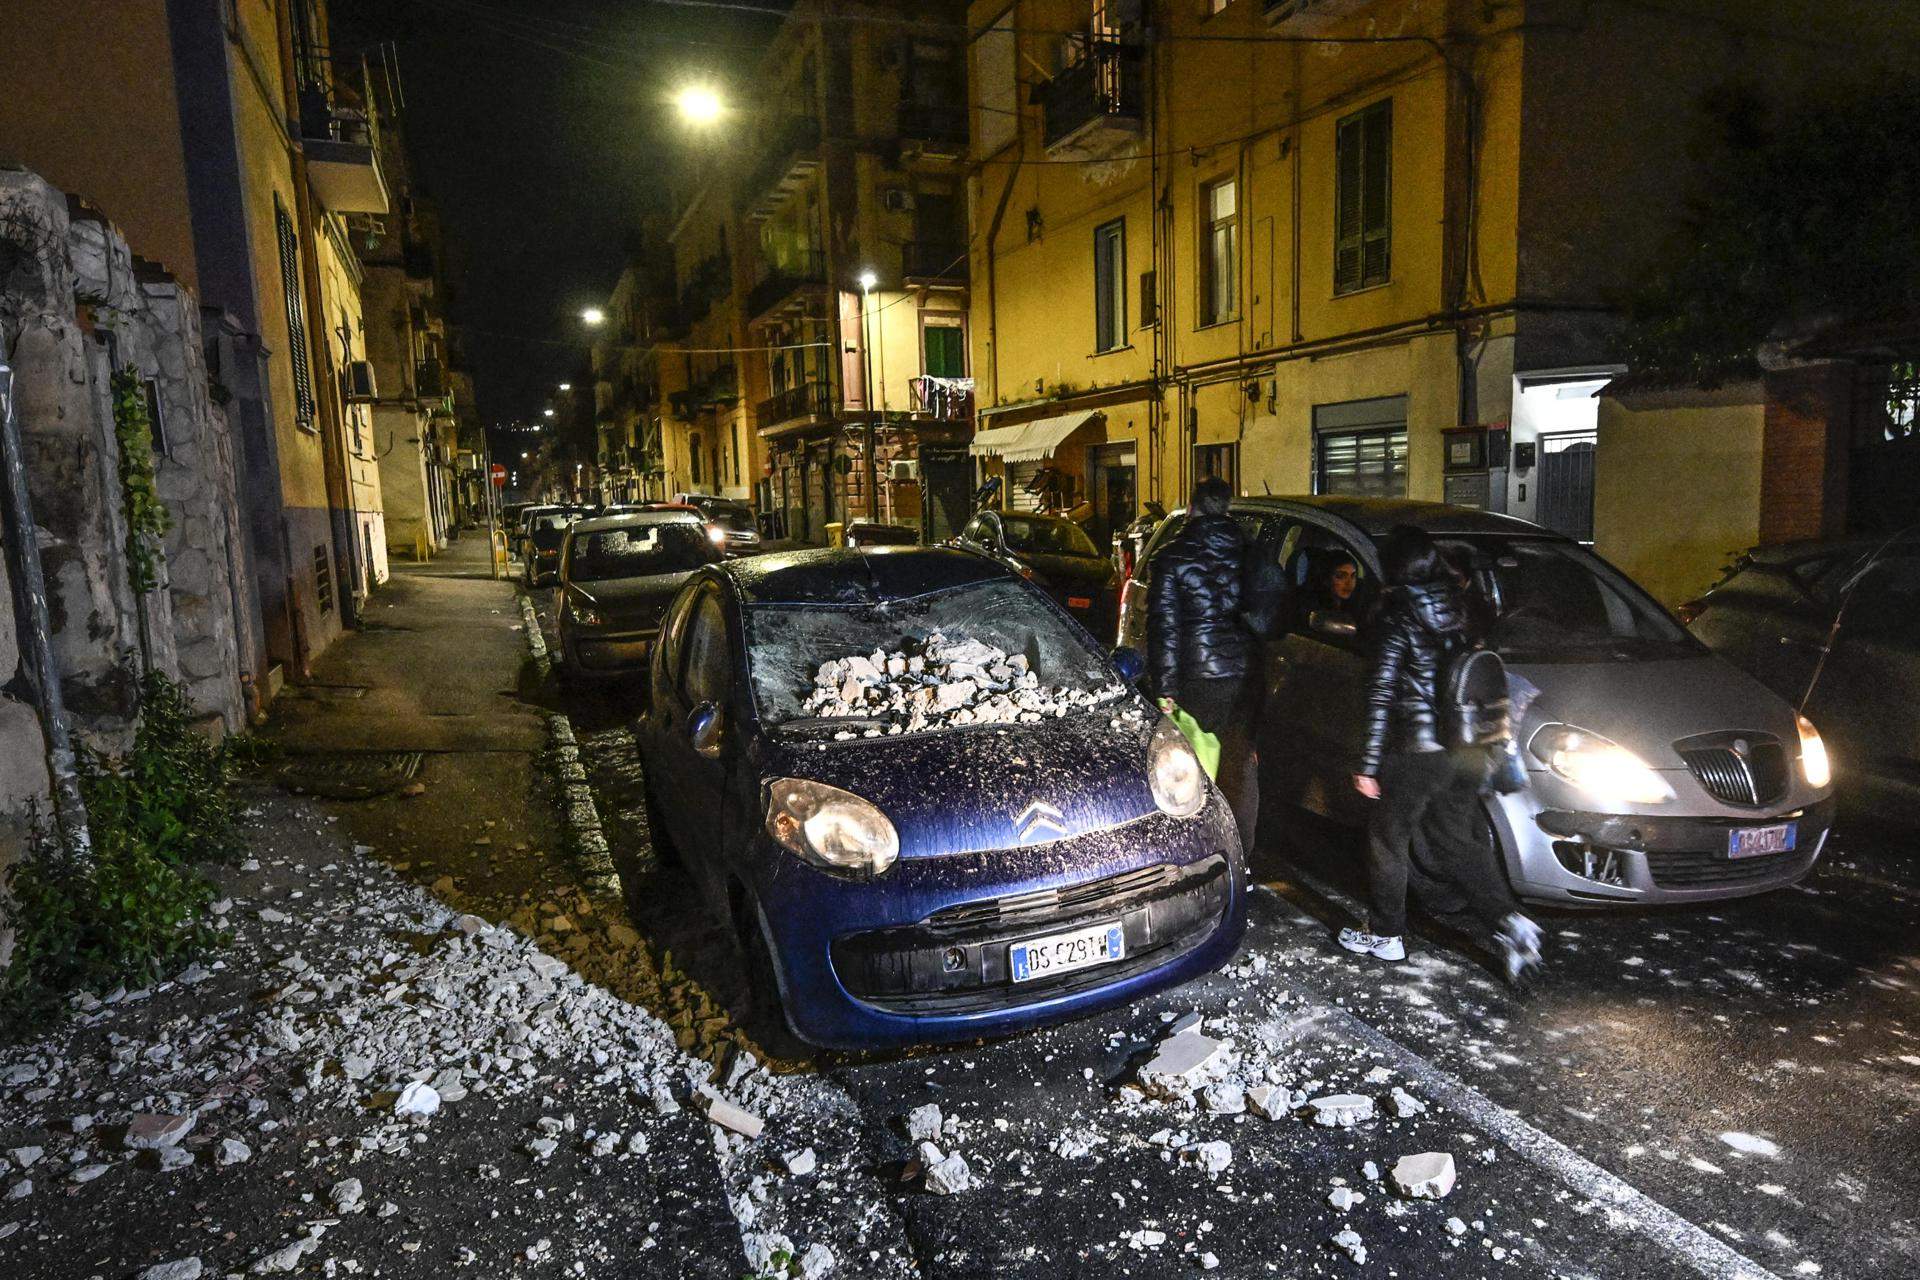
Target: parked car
[(522, 527), (730, 523), (1056, 555), (1854, 670), (939, 883), (617, 575), (878, 533), (1656, 771), (540, 547)]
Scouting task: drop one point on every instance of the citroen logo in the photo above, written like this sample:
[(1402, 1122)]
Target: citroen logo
[(1040, 818)]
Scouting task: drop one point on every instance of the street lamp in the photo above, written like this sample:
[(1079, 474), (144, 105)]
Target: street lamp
[(592, 317), (566, 386), (545, 413), (699, 104)]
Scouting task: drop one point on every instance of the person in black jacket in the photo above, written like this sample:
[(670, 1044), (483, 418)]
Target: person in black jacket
[(1200, 652), (1428, 825)]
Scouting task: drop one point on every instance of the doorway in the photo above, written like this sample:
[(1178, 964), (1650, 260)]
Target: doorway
[(1113, 488)]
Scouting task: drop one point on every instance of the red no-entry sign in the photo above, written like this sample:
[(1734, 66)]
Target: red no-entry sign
[(498, 471)]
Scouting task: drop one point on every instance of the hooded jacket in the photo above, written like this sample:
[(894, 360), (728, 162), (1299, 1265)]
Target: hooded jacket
[(1194, 629), (1418, 632)]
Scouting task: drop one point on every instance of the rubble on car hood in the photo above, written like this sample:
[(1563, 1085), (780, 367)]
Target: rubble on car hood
[(939, 683)]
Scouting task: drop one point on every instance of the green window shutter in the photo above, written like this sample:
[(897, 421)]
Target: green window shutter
[(946, 355), (1376, 198), (304, 407)]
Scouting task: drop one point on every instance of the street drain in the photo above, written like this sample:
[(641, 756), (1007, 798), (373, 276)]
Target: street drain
[(349, 775)]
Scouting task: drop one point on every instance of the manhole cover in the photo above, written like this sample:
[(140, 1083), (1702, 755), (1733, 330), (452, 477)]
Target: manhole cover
[(349, 775)]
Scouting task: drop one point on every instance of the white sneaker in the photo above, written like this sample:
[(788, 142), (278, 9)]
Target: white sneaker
[(1360, 942)]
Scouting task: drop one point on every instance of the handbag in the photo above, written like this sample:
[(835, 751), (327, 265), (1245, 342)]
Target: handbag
[(1205, 745)]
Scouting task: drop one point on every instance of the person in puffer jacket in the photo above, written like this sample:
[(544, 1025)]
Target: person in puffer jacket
[(1427, 826), (1199, 651)]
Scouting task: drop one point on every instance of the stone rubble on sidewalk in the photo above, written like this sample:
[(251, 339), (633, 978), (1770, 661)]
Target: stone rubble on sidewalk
[(1427, 1176), (1340, 1110)]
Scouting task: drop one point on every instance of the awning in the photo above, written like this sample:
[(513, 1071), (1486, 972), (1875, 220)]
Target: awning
[(1030, 441)]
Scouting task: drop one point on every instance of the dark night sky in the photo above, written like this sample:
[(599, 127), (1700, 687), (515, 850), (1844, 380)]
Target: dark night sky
[(542, 127)]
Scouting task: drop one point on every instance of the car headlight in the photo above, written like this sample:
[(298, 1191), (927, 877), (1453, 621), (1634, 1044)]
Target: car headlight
[(585, 615), (1814, 764), (830, 828), (1602, 768), (716, 535), (1173, 771)]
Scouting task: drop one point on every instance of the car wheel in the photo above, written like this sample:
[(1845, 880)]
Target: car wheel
[(766, 1017)]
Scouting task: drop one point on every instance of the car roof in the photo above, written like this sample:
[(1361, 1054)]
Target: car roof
[(634, 520), (1034, 515), (1375, 516), (863, 576)]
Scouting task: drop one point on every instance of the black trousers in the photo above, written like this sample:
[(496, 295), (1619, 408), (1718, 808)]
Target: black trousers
[(1428, 833), (1229, 710)]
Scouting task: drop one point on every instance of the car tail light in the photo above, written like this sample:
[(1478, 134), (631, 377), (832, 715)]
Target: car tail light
[(1689, 611)]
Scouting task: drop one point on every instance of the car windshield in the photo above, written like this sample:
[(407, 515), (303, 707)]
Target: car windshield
[(730, 515), (638, 551), (550, 528), (989, 653), (1558, 602), (1046, 537)]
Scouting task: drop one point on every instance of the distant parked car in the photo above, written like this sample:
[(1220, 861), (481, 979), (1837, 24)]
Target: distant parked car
[(540, 547), (877, 533), (1056, 555), (729, 522), (1656, 772), (930, 882), (617, 574), (1834, 627)]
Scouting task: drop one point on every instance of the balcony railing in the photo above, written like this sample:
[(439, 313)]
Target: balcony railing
[(811, 399), (934, 122), (782, 278), (789, 146), (934, 260), (1102, 92), (944, 399)]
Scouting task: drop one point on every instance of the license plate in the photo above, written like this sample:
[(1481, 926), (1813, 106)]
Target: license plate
[(1065, 952), (1079, 602), (1752, 842)]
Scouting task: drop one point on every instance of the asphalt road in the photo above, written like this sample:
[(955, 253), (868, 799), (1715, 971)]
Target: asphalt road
[(1722, 1091)]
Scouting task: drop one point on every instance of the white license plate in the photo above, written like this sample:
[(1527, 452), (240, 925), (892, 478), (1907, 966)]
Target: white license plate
[(1065, 952), (1752, 842)]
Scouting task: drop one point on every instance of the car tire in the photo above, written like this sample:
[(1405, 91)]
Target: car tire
[(765, 1020)]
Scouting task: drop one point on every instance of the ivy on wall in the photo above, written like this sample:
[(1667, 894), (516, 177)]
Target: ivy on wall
[(147, 519)]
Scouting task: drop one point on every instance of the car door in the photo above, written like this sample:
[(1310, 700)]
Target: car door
[(705, 684), (1863, 701), (1313, 724)]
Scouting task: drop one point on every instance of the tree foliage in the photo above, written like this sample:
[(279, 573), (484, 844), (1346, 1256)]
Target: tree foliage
[(1807, 216)]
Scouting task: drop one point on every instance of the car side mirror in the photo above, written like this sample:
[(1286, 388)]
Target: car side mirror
[(1128, 662), (1331, 626), (703, 729)]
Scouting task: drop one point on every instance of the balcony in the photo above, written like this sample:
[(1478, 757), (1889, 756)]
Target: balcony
[(791, 156), (708, 282), (1096, 107), (934, 128), (934, 260), (430, 380), (942, 399), (785, 278), (809, 401), (722, 386), (341, 140)]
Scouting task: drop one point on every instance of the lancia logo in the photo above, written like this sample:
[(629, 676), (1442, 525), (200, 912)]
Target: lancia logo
[(1039, 821)]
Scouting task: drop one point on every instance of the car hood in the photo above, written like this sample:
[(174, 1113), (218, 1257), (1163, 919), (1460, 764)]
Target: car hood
[(1087, 571), (635, 600), (1647, 706), (957, 791)]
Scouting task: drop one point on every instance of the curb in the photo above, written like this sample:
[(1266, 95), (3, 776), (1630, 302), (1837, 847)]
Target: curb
[(585, 835)]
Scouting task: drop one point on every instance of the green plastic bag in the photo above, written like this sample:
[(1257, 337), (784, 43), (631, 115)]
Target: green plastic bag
[(1205, 745)]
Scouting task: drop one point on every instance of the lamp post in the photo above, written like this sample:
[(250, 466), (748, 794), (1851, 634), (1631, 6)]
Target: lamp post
[(867, 280)]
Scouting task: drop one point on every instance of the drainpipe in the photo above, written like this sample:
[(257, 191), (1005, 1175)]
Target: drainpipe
[(35, 622)]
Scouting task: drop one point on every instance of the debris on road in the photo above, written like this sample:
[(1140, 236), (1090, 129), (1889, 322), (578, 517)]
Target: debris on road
[(1405, 1105), (1341, 1110), (417, 1099), (152, 1132), (923, 1123), (1427, 1176), (1211, 1158), (728, 1116), (1182, 1063), (1347, 1240)]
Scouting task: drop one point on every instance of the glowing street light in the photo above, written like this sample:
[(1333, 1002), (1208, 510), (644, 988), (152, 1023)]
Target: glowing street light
[(546, 413), (524, 455), (593, 317), (868, 280), (566, 386), (699, 104)]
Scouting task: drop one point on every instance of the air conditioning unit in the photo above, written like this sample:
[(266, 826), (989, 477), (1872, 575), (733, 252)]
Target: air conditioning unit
[(897, 199), (356, 382), (904, 471)]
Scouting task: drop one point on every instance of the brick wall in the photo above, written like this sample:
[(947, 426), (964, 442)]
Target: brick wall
[(1803, 474)]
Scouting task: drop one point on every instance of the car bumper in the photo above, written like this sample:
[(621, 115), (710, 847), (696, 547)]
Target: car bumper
[(922, 957), (1577, 858)]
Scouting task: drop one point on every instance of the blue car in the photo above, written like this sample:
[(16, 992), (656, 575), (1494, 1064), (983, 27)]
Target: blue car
[(926, 802)]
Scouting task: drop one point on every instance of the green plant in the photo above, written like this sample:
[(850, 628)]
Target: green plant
[(147, 518), (172, 788)]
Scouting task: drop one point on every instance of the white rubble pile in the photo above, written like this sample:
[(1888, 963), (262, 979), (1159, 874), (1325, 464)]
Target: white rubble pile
[(937, 683), (1427, 1176)]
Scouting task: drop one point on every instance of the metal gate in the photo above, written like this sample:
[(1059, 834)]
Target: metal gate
[(1566, 485), (947, 485)]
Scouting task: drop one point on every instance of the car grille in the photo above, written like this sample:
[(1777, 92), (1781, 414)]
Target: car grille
[(1752, 778), (1045, 904), (1716, 870)]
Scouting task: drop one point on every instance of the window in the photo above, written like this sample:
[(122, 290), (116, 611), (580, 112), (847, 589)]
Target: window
[(693, 455), (736, 452), (1219, 253), (705, 676), (303, 405), (1369, 464), (1149, 298), (1221, 460), (945, 350), (1363, 163), (1110, 285)]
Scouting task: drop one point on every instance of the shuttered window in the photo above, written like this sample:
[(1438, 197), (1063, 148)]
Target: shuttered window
[(1369, 464), (1219, 252), (1109, 285), (1363, 182), (296, 317)]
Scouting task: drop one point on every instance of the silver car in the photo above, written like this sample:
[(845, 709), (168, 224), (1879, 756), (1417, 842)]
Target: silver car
[(1657, 772)]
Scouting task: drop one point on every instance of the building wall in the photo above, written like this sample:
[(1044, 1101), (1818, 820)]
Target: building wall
[(1677, 485)]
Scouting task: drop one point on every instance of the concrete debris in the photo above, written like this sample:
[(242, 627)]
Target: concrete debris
[(1345, 1198), (923, 1123), (1427, 1176), (356, 1067), (816, 1262), (345, 1196), (1348, 1241), (183, 1269), (802, 1163), (1370, 1171), (21, 1189), (1405, 1104), (1212, 1158), (1208, 1262), (728, 1116), (1076, 1143), (232, 1151), (417, 1099), (88, 1172), (936, 683), (1340, 1110), (949, 1176), (1378, 1075), (152, 1132), (1224, 1098), (1145, 1239), (541, 1148), (603, 1145), (172, 1158), (1182, 1063), (1455, 1227), (1268, 1101), (287, 1257), (664, 1103), (26, 1157)]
